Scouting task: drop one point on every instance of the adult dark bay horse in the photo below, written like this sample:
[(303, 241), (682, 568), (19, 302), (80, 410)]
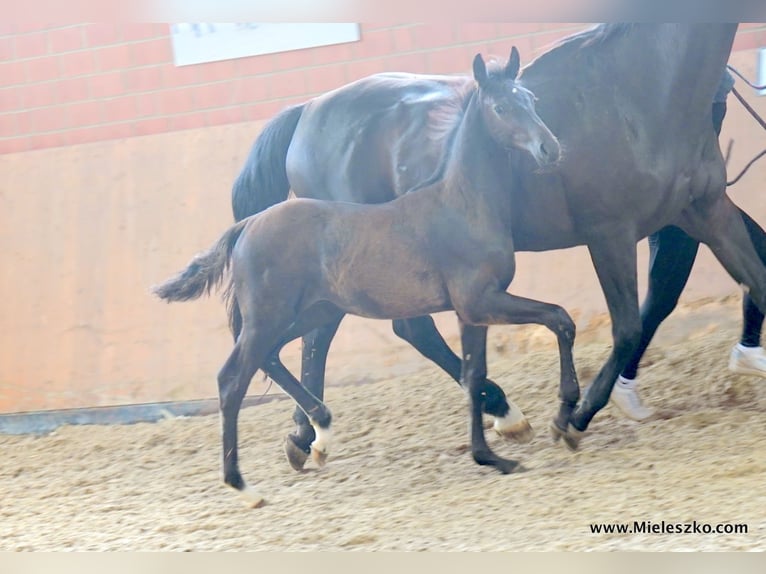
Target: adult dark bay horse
[(305, 263), (630, 104)]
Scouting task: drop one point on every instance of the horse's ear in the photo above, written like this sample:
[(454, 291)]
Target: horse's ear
[(479, 70), (513, 65)]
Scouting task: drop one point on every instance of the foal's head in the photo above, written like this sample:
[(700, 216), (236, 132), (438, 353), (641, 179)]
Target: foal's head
[(508, 110)]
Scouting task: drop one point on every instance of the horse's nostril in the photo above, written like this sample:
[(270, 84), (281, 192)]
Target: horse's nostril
[(543, 150)]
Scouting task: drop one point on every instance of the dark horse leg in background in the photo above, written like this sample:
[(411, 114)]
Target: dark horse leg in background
[(671, 257)]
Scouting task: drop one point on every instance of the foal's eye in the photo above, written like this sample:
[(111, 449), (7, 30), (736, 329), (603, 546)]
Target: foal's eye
[(499, 110)]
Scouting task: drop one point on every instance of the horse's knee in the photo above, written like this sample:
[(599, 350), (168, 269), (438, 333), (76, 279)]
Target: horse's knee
[(565, 325)]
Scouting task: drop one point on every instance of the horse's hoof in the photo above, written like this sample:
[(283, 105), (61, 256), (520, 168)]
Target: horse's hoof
[(510, 467), (250, 497), (296, 456), (319, 457), (520, 432), (571, 436)]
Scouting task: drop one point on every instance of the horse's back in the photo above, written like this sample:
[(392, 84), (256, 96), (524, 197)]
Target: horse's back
[(373, 139)]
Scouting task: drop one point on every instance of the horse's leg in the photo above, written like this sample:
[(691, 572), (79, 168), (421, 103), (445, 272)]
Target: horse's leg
[(422, 334), (720, 225), (614, 258), (233, 381), (671, 257), (474, 372), (317, 413), (316, 345), (748, 357), (500, 307)]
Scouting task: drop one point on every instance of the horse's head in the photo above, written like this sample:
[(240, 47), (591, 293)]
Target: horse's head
[(509, 113)]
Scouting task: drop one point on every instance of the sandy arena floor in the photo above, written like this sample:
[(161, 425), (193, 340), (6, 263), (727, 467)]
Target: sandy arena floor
[(400, 476)]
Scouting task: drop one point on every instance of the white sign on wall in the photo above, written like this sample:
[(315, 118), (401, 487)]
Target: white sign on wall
[(198, 42), (761, 70)]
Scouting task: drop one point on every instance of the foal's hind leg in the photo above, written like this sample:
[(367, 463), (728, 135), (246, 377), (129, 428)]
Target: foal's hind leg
[(422, 334), (233, 381)]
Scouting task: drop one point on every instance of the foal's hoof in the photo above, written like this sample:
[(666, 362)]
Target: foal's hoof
[(520, 432), (319, 457), (296, 456), (510, 466), (571, 435)]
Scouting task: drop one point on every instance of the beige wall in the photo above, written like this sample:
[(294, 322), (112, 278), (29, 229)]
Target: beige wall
[(86, 230)]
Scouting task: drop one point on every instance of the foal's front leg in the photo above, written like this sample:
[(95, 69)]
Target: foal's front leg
[(474, 373)]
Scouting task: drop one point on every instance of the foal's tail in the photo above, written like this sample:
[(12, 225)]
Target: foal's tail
[(205, 271), (263, 179)]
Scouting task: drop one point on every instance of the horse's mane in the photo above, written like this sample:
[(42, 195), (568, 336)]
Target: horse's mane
[(594, 36)]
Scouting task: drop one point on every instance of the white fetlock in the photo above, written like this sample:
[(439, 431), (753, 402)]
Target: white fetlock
[(321, 445), (250, 497), (514, 425)]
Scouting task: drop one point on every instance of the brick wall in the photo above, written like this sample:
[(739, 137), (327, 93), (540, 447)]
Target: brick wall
[(89, 82)]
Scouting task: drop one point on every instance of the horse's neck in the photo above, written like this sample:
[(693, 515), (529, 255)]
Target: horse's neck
[(476, 168)]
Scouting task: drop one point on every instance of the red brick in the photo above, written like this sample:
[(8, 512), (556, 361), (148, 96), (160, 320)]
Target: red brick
[(403, 39), (11, 73), (147, 105), (518, 28), (39, 95), (255, 65), (150, 126), (186, 121), (175, 101), (449, 61), (106, 85), (72, 90), (53, 139), (132, 31), (374, 44), (544, 42), (7, 28), (364, 68), (102, 33), (14, 145), (113, 57), (6, 49), (216, 95), (287, 84), (66, 39), (230, 115), (143, 79), (10, 99), (749, 40), (151, 52), (31, 45), (175, 76), (251, 89), (8, 125), (43, 120), (326, 78), (331, 54), (476, 32), (119, 109), (415, 63), (77, 64), (434, 35), (267, 110), (42, 69), (82, 114), (216, 71), (293, 59)]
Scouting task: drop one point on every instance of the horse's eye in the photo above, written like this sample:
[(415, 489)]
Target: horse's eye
[(499, 110)]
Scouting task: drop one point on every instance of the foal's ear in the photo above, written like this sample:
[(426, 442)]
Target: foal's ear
[(479, 70), (513, 65)]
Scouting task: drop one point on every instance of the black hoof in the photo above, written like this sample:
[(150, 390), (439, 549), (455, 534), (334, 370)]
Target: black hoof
[(571, 436), (296, 455)]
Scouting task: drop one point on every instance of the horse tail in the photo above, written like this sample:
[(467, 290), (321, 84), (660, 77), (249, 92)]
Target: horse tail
[(205, 271), (262, 183), (263, 180)]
